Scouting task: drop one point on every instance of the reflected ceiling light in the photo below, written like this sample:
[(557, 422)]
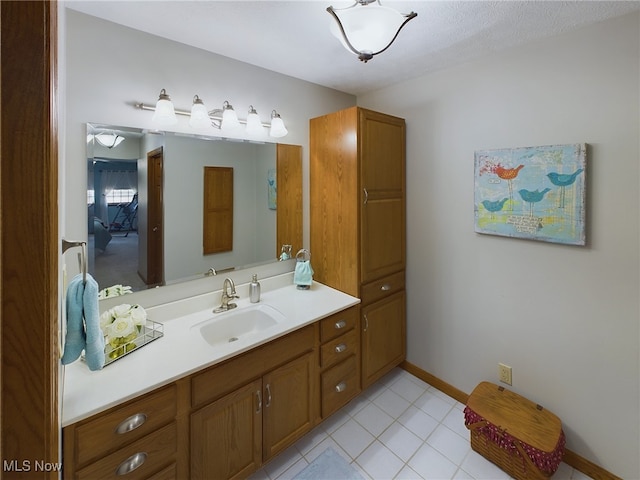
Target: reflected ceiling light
[(224, 118), (277, 129), (109, 140), (366, 28), (165, 114), (254, 125), (199, 115)]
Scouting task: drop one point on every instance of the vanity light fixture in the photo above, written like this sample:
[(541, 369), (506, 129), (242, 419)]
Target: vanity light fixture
[(366, 29), (254, 125), (277, 129), (199, 118), (222, 119), (229, 117), (164, 112)]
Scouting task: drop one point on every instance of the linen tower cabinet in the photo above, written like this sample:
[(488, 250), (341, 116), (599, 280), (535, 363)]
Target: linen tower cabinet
[(357, 193)]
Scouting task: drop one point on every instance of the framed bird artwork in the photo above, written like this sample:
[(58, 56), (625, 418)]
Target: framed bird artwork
[(536, 193)]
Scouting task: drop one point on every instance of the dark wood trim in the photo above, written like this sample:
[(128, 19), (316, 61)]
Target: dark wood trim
[(29, 248), (570, 458)]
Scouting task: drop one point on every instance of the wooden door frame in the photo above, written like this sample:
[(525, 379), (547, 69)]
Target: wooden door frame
[(29, 245), (155, 265)]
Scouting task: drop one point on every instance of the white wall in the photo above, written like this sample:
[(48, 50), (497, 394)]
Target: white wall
[(108, 68), (564, 317)]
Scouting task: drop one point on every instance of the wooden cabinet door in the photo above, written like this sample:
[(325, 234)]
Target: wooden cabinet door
[(288, 406), (383, 337), (382, 199), (226, 435)]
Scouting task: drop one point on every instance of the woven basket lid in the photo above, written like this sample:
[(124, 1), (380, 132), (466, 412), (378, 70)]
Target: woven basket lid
[(516, 415)]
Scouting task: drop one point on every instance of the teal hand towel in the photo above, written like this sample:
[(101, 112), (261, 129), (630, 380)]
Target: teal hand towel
[(94, 349), (83, 324), (75, 337), (303, 273)]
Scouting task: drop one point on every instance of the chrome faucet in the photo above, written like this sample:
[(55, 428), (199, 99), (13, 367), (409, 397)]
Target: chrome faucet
[(228, 294)]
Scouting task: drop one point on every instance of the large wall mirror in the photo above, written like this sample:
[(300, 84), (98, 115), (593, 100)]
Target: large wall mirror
[(146, 211)]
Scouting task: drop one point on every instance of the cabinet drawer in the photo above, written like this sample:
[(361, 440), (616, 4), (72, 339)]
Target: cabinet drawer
[(152, 452), (337, 324), (124, 424), (226, 377), (339, 385), (381, 288), (339, 348)]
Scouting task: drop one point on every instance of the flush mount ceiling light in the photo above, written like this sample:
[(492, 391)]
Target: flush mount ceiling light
[(224, 118), (366, 28), (109, 140)]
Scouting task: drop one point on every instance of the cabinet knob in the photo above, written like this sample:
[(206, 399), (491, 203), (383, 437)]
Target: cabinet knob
[(340, 348), (340, 324), (131, 423), (130, 464), (341, 387), (386, 287)]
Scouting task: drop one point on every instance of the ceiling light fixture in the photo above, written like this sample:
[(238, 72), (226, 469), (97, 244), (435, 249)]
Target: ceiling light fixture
[(109, 140), (224, 118), (365, 29)]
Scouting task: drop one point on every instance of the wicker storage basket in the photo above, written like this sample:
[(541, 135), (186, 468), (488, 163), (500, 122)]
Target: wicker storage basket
[(520, 437)]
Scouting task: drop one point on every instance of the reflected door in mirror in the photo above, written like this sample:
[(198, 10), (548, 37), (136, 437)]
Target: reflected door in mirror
[(154, 212)]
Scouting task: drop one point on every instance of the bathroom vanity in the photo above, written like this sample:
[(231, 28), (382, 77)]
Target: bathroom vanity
[(189, 406)]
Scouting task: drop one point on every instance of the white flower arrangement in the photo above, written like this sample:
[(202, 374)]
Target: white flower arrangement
[(120, 326), (114, 291)]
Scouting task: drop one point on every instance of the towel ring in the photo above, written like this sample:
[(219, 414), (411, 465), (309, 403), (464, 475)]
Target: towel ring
[(82, 257), (303, 255)]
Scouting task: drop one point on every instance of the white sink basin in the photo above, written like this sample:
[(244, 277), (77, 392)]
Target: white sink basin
[(238, 324)]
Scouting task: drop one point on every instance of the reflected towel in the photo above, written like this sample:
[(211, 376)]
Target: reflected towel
[(303, 274), (83, 324)]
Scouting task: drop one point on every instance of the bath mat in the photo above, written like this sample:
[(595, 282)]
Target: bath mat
[(329, 465)]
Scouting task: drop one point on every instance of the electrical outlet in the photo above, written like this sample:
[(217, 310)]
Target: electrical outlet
[(504, 373)]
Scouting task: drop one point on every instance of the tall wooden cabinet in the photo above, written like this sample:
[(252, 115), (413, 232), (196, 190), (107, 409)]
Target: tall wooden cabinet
[(357, 192)]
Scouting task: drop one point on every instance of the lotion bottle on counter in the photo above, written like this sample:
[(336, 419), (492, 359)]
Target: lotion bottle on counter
[(254, 289)]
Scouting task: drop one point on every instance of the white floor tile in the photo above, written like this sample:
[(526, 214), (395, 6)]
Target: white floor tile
[(353, 438), (433, 404), (418, 422), (392, 403), (401, 441), (449, 443), (293, 470), (455, 421), (482, 469), (407, 473), (431, 464), (408, 389), (311, 439), (374, 419), (282, 462), (379, 462)]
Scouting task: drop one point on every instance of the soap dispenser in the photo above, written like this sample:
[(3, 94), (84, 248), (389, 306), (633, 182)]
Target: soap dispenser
[(254, 289)]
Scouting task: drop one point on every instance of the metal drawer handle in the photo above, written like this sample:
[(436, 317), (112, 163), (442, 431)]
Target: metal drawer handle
[(131, 423), (386, 287), (268, 388), (130, 464), (340, 324), (259, 400), (341, 348), (341, 387)]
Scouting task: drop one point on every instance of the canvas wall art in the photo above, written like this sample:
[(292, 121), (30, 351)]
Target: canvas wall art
[(537, 193)]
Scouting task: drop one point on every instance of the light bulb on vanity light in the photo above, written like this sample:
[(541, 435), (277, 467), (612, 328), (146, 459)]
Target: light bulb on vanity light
[(277, 129), (199, 115), (254, 125), (164, 113), (229, 117)]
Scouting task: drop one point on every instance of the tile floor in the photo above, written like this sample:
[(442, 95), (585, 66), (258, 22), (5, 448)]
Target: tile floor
[(399, 428)]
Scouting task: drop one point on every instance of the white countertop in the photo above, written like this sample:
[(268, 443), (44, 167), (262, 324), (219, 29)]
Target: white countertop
[(182, 350)]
